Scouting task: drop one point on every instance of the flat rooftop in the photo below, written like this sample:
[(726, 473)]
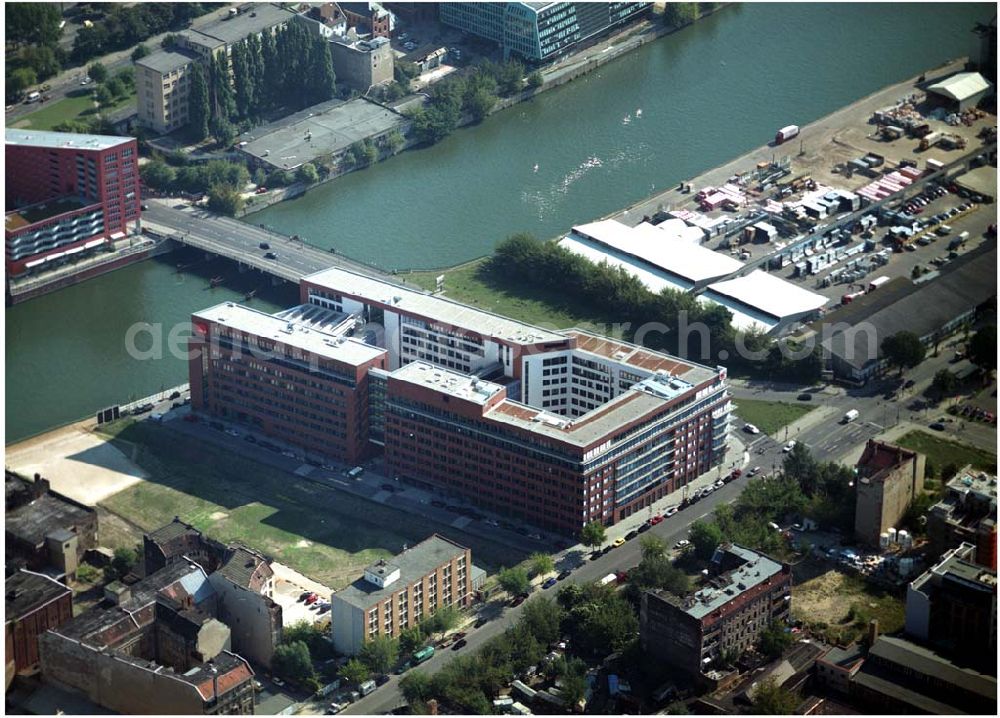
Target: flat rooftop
[(766, 293), (975, 482), (328, 128), (165, 61), (396, 298), (47, 514), (640, 357), (256, 19), (456, 384), (27, 591), (40, 211), (288, 333), (690, 262), (63, 140), (755, 570), (656, 280), (414, 564)]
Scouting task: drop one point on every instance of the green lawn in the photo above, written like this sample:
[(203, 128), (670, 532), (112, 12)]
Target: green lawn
[(79, 107), (327, 535), (545, 307), (770, 416), (941, 452)]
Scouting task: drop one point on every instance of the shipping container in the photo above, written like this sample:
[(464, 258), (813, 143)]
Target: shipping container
[(786, 133)]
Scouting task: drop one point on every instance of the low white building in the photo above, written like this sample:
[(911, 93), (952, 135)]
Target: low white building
[(763, 302)]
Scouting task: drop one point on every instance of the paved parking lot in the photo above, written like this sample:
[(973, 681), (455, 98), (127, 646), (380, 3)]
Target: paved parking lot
[(288, 586)]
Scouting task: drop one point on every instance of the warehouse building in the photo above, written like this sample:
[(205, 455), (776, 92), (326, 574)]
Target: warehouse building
[(932, 310), (962, 91), (762, 302)]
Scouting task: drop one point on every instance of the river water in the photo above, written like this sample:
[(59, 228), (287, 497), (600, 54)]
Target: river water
[(707, 94)]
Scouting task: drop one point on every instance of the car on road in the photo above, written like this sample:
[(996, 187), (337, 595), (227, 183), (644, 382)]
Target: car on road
[(754, 471), (789, 446), (596, 555), (563, 575), (264, 245), (670, 512), (304, 595), (682, 544), (175, 395), (311, 598), (270, 255), (480, 622), (278, 682), (459, 644), (719, 484), (260, 190), (909, 384), (324, 608), (655, 520), (631, 535), (144, 206), (404, 668), (805, 396), (289, 453), (618, 542), (549, 583), (232, 432), (517, 601), (937, 426), (751, 429)]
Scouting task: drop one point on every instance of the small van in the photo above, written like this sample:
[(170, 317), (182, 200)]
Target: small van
[(943, 230), (32, 97), (366, 687), (850, 416), (356, 472)]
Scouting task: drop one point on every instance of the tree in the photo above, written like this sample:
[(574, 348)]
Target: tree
[(411, 640), (416, 689), (945, 383), (292, 660), (903, 350), (307, 173), (42, 59), (199, 110), (222, 130), (706, 537), (139, 52), (801, 466), (123, 561), (983, 349), (32, 23), (593, 533), (772, 699), (380, 653), (20, 80), (514, 580), (280, 178), (97, 72), (541, 564), (105, 97), (653, 547), (480, 104), (117, 87), (535, 80), (354, 672), (676, 14), (395, 140), (224, 200), (775, 639), (442, 621), (542, 617), (87, 573)]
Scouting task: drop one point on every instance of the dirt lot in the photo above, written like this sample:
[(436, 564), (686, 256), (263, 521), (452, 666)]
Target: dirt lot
[(839, 605)]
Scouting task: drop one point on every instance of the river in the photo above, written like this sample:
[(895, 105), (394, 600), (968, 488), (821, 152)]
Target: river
[(708, 93)]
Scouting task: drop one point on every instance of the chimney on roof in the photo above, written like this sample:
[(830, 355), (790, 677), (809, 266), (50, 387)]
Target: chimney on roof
[(872, 632), (40, 487)]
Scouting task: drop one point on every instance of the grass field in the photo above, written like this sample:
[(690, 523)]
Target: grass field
[(80, 106), (545, 307), (840, 606), (770, 416), (942, 451), (327, 535)]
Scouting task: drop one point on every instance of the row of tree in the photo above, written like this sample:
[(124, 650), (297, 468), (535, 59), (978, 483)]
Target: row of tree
[(290, 70), (118, 26)]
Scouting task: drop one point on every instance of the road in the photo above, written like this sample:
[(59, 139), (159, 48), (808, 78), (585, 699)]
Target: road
[(241, 241)]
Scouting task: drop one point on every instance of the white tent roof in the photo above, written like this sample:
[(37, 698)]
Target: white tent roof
[(769, 294), (961, 86), (690, 262), (679, 229), (596, 253)]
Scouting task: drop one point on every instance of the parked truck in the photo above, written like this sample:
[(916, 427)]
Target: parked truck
[(878, 282), (850, 416), (609, 579), (930, 140), (786, 133)]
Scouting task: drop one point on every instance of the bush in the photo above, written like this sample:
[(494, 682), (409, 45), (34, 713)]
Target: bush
[(97, 72), (224, 200), (307, 173), (87, 573), (535, 80)]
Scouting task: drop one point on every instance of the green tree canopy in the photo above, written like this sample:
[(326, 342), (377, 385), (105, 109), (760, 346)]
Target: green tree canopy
[(676, 14), (411, 640), (771, 699), (224, 200), (32, 23), (199, 111), (945, 383), (775, 639), (307, 173), (514, 580), (706, 537), (139, 52), (903, 350), (541, 564), (593, 533), (97, 72), (542, 617), (983, 349), (380, 653), (416, 689), (292, 660), (355, 672)]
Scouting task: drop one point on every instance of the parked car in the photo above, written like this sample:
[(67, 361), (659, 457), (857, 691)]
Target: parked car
[(270, 255), (563, 575), (311, 598), (751, 429), (789, 446), (459, 644), (754, 471), (618, 542), (655, 520), (264, 245), (549, 583), (805, 396), (937, 426), (631, 535), (682, 544)]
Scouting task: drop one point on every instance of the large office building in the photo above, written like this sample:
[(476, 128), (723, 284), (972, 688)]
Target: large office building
[(67, 195), (400, 592), (163, 78), (558, 428), (745, 593), (539, 31)]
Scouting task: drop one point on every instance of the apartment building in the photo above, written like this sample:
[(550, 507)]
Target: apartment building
[(362, 64), (33, 603), (966, 514), (889, 476), (67, 195), (294, 375), (745, 593), (539, 31), (163, 78), (558, 428), (398, 593)]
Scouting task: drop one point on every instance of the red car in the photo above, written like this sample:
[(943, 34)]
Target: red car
[(655, 520), (736, 473), (311, 599)]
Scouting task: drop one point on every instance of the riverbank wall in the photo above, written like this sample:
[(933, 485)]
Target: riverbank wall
[(582, 62)]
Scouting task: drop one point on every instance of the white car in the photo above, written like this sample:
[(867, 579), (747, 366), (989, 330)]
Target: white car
[(289, 453), (751, 429), (789, 446), (719, 484), (671, 511), (232, 432), (754, 471), (683, 543)]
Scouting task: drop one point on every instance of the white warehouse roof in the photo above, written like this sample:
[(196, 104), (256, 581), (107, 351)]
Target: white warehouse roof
[(689, 262), (961, 86), (676, 228), (655, 281), (763, 298)]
